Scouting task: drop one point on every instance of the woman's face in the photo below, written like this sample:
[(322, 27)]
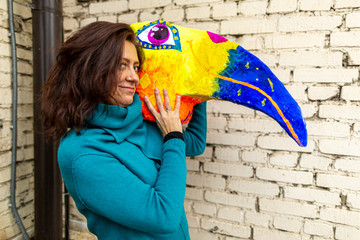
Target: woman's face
[(127, 77)]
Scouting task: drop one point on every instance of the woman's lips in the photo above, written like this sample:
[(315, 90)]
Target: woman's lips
[(128, 89)]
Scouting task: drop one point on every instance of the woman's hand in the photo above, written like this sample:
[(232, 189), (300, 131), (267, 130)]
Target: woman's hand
[(166, 119)]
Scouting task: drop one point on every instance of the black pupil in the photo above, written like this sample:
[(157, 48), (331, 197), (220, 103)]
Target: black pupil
[(160, 33)]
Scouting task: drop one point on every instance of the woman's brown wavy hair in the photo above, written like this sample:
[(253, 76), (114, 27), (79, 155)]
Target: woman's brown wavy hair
[(84, 75)]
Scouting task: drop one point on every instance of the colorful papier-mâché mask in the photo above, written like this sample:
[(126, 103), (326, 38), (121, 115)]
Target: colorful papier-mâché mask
[(200, 65)]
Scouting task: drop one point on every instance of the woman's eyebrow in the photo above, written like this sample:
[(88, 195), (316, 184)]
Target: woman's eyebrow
[(128, 61)]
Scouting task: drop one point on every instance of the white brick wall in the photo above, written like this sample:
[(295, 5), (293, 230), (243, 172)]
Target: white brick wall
[(253, 181)]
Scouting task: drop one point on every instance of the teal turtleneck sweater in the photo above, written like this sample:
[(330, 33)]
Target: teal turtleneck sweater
[(124, 179)]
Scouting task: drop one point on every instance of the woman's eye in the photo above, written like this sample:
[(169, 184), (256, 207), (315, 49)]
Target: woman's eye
[(136, 68), (123, 66), (159, 35)]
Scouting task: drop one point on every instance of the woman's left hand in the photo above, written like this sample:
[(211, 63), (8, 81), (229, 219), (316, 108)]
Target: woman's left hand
[(167, 119)]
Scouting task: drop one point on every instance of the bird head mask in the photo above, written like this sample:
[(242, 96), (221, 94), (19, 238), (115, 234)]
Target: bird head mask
[(201, 65)]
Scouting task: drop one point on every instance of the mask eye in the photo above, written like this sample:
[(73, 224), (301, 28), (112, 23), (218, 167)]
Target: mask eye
[(159, 35)]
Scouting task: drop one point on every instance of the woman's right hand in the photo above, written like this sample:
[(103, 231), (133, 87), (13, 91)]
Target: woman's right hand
[(167, 119)]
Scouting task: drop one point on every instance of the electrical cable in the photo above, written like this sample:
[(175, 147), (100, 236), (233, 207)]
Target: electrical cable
[(14, 124)]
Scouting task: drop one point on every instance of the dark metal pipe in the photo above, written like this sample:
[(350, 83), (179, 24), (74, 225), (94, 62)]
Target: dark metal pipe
[(14, 124), (47, 38)]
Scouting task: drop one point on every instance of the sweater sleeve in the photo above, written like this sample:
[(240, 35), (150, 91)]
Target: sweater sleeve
[(195, 133), (119, 195)]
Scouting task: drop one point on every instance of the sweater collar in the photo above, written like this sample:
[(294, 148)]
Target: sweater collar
[(127, 124)]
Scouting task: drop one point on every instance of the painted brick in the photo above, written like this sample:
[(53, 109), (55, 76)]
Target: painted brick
[(201, 234), (266, 234), (24, 54), (139, 4), (21, 10), (235, 230), (311, 161), (5, 175), (5, 50), (321, 93), (205, 209), (237, 139), (4, 193), (192, 165), (206, 26), (207, 153), (216, 123), (318, 228), (312, 195), (205, 181), (260, 188), (23, 39), (340, 216), (284, 143), (350, 93), (347, 233), (230, 199), (248, 26), (128, 18), (328, 129), (188, 206), (229, 169), (336, 181), (74, 11), (315, 5), (226, 154), (308, 110), (253, 7), (287, 223), (339, 112), (149, 16), (193, 221), (356, 129), (345, 39), (353, 200), (311, 58), (258, 219), (109, 7), (198, 13), (348, 165), (300, 40), (280, 175), (255, 125), (173, 15), (87, 21), (284, 159), (4, 35), (70, 24), (228, 108), (250, 42), (271, 60), (346, 3), (288, 208), (231, 214), (298, 92), (282, 74), (111, 18), (282, 6), (189, 2), (353, 20), (307, 23), (224, 10), (257, 156)]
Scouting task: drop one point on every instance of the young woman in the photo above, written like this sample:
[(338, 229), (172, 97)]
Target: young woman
[(127, 176)]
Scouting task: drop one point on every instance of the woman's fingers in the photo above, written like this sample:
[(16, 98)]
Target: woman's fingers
[(177, 104), (166, 100), (158, 100), (150, 106)]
